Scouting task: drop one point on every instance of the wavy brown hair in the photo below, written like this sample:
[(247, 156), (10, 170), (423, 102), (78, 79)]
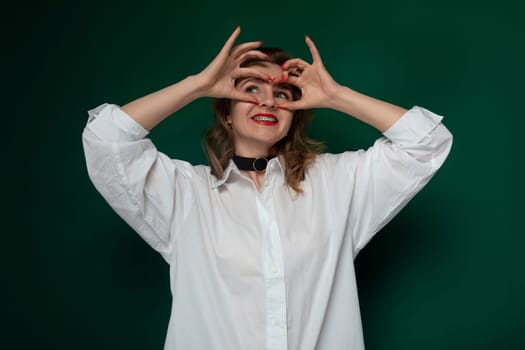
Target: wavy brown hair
[(296, 149)]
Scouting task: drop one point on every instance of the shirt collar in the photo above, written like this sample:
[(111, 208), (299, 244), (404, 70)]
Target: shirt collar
[(231, 171)]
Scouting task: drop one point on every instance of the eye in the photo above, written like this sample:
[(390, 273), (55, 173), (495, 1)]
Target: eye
[(282, 94), (252, 89)]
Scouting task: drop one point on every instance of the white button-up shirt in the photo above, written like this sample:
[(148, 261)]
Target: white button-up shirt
[(264, 269)]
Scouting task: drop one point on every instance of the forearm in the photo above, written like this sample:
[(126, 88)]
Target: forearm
[(379, 114), (151, 109)]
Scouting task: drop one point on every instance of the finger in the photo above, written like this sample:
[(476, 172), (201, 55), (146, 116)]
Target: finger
[(242, 73), (295, 62), (231, 40), (284, 76), (292, 79), (243, 96), (291, 105), (313, 49), (294, 72), (252, 54), (244, 47)]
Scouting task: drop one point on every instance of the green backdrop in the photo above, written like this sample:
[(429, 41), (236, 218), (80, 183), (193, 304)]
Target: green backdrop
[(447, 273)]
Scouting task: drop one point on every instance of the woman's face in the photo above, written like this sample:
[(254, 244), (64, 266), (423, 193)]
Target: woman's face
[(256, 128)]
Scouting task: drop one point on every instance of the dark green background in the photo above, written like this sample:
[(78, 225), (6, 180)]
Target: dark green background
[(447, 273)]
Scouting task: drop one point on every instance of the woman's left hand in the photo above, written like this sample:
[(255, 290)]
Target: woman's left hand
[(317, 86)]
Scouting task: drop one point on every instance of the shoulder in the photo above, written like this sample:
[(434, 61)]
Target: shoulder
[(203, 173), (190, 170), (331, 160), (330, 166)]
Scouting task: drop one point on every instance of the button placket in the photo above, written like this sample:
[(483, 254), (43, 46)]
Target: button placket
[(273, 274)]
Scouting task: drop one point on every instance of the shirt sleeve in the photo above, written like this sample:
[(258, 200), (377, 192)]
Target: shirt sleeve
[(141, 184), (372, 186)]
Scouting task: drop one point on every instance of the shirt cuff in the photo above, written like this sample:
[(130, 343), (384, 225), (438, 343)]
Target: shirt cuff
[(413, 126), (111, 123)]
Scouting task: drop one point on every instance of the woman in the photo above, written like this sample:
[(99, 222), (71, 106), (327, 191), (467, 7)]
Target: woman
[(261, 245)]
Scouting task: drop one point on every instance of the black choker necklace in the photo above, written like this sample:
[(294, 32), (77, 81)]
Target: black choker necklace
[(252, 164)]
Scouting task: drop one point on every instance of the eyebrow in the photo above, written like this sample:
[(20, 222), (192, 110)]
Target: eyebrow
[(248, 80)]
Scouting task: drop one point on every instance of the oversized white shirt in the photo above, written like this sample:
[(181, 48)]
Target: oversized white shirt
[(264, 269)]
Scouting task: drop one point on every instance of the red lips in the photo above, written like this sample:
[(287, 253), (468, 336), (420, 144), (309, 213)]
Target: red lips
[(265, 119)]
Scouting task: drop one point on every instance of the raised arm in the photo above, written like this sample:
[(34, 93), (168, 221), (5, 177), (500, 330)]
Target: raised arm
[(370, 187), (320, 90), (216, 80)]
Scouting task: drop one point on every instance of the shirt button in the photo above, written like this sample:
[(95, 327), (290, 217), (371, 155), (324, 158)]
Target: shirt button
[(274, 268), (276, 323)]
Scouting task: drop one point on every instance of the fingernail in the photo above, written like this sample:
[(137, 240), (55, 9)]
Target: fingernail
[(283, 77), (280, 107), (270, 78), (255, 102)]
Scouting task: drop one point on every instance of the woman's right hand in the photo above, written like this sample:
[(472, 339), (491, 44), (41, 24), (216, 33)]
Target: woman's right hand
[(218, 78)]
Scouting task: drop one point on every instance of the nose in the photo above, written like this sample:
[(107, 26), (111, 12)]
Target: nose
[(268, 99)]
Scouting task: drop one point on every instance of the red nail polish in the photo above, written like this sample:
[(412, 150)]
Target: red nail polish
[(283, 77)]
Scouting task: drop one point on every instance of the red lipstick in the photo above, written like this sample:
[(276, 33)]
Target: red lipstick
[(265, 119)]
